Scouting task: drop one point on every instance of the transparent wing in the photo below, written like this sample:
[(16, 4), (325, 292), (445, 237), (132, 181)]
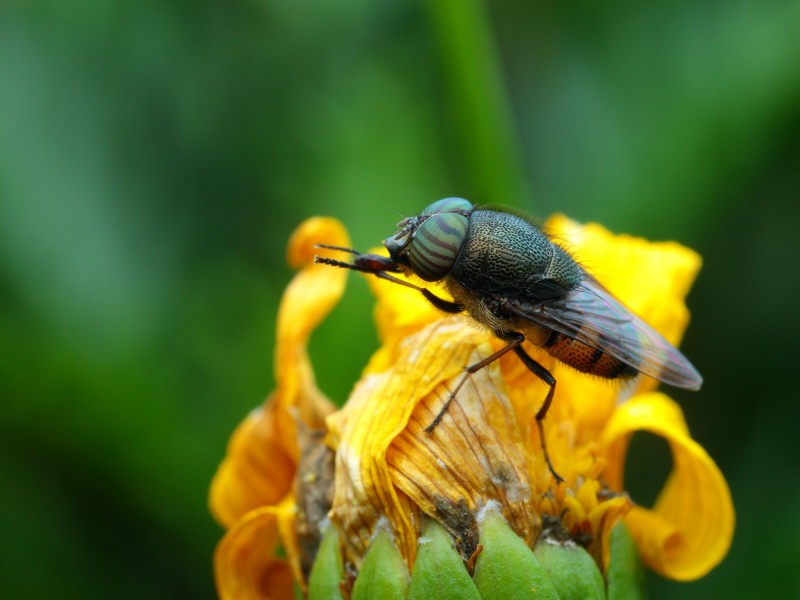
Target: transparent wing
[(591, 315)]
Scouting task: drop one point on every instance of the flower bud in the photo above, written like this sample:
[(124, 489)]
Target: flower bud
[(507, 569), (383, 573), (326, 574), (572, 570), (439, 571)]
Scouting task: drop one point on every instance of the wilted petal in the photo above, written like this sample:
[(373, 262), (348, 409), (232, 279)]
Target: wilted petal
[(378, 410), (381, 427), (690, 528), (474, 456)]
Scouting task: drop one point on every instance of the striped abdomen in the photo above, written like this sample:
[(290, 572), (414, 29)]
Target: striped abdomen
[(585, 358)]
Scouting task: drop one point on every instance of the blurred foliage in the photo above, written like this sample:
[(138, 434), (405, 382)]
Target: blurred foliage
[(155, 157)]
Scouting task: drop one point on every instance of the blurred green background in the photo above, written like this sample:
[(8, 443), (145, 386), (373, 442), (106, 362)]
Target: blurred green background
[(155, 157)]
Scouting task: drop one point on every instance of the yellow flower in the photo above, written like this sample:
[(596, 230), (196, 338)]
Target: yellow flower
[(388, 475)]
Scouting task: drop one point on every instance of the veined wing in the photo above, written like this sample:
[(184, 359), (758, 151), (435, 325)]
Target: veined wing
[(592, 316)]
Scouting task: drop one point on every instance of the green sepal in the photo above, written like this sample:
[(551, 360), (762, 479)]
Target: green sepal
[(326, 574), (507, 569), (383, 573), (438, 571), (572, 570), (625, 578)]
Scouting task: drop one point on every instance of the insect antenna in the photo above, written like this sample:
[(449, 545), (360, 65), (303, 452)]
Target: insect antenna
[(339, 248)]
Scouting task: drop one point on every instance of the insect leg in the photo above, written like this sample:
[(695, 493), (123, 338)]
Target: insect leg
[(513, 344), (440, 303), (545, 375)]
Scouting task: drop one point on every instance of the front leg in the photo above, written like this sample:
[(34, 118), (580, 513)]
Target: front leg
[(440, 303), (379, 265)]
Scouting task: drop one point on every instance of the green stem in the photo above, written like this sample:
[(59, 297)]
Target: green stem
[(478, 102)]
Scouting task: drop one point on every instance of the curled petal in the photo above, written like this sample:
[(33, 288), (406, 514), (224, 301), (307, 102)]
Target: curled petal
[(262, 455), (308, 299), (690, 528), (245, 563), (258, 468)]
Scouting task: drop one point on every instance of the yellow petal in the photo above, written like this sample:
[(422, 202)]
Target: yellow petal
[(363, 494), (584, 401), (690, 528), (308, 299), (259, 466), (262, 455), (245, 564), (401, 310), (603, 519)]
